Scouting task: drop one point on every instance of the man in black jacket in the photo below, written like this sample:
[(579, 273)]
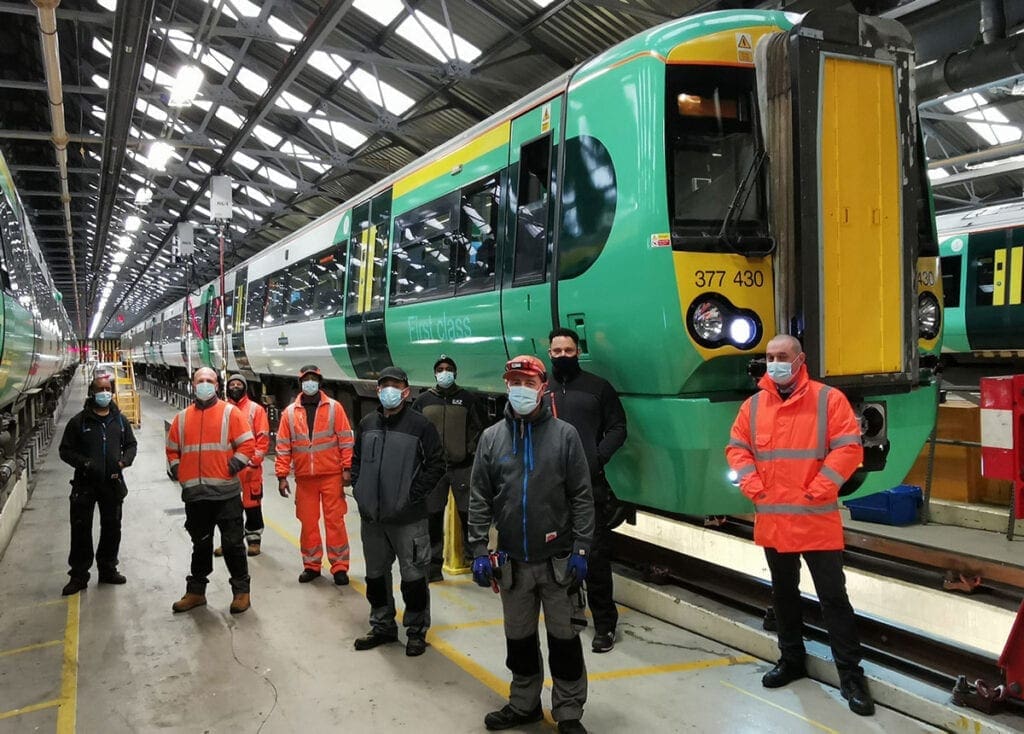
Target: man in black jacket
[(396, 462), (99, 443), (530, 480), (593, 407), (458, 417)]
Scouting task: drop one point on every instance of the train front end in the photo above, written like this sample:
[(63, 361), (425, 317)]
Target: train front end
[(796, 203)]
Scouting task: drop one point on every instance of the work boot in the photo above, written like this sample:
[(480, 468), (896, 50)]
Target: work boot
[(254, 549), (374, 639), (341, 578), (783, 674), (855, 690), (435, 573), (218, 551), (603, 641), (188, 602), (112, 577), (415, 646), (571, 726), (240, 603), (74, 585), (508, 717), (307, 575)]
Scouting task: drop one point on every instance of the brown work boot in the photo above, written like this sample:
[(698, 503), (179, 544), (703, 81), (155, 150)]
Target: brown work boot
[(240, 603), (218, 551), (254, 549), (189, 602)]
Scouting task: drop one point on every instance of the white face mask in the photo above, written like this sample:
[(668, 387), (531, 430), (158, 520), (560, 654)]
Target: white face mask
[(310, 387), (445, 378), (390, 397), (523, 399), (206, 390)]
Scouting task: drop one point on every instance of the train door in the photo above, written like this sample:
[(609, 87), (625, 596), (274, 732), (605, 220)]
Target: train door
[(238, 321), (993, 293), (526, 279), (367, 281)]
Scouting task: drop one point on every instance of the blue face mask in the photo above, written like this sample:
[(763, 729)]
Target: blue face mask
[(523, 399), (445, 378), (310, 387), (206, 390), (390, 397), (102, 399), (781, 372)]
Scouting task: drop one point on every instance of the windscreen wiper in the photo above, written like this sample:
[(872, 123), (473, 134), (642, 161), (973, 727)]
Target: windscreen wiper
[(739, 200)]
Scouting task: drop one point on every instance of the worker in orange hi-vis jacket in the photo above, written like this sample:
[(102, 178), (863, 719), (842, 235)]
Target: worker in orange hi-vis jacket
[(314, 439), (252, 475)]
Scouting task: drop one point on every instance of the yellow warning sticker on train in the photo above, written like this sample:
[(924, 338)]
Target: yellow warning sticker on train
[(545, 118), (744, 48)]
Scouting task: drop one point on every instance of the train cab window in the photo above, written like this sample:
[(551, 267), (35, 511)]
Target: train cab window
[(531, 244), (951, 266), (424, 239), (255, 301), (984, 268), (329, 292), (476, 243), (712, 147)]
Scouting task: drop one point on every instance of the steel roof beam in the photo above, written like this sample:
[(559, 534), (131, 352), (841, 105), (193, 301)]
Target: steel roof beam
[(976, 173)]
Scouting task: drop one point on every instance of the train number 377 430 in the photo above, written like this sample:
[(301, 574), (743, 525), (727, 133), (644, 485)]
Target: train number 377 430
[(717, 278)]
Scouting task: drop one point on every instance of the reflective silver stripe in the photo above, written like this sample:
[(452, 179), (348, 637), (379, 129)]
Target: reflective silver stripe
[(745, 470), (796, 509), (212, 482), (171, 444), (787, 454), (753, 418), (346, 434), (735, 442), (196, 448), (295, 428), (833, 475), (823, 421), (241, 457), (330, 417), (846, 440), (247, 436), (252, 412), (225, 424)]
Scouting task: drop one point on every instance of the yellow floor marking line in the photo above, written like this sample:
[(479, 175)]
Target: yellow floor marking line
[(456, 599), (671, 668), (29, 709), (67, 710), (294, 540), (812, 722), (28, 648)]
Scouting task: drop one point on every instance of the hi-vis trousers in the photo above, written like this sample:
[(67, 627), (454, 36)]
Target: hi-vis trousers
[(310, 494)]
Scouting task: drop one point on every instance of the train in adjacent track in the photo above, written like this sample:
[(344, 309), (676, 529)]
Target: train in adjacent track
[(650, 200)]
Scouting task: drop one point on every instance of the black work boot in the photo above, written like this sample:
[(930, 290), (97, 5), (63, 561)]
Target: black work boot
[(783, 674), (341, 578), (415, 646), (307, 575), (508, 717), (855, 690), (74, 585), (111, 576), (375, 639)]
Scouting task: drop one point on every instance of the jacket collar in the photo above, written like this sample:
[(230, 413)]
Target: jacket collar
[(511, 417), (243, 403), (803, 379)]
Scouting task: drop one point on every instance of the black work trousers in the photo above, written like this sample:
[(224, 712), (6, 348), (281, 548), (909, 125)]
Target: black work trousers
[(599, 574), (826, 569), (201, 517), (82, 509)]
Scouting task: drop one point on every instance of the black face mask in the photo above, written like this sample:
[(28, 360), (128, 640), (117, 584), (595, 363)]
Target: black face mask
[(236, 393), (565, 367)]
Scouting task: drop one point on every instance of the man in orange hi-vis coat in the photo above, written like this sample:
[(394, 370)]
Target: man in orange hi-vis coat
[(792, 446), (314, 439), (252, 475), (208, 444)]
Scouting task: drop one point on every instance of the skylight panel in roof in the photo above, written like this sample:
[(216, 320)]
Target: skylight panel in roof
[(382, 11), (965, 102), (254, 193), (229, 116), (380, 93), (217, 61), (276, 177), (110, 5), (244, 7), (542, 3), (266, 136), (99, 81), (435, 39), (290, 102), (245, 161), (252, 81), (98, 112), (996, 134), (339, 131), (303, 156), (199, 165), (157, 76), (181, 41), (101, 46), (283, 29), (150, 110), (330, 65)]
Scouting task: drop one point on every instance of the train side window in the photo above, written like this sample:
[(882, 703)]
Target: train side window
[(424, 240), (531, 245), (985, 284), (380, 214), (277, 298), (255, 302), (329, 293), (229, 311), (301, 282), (476, 245), (951, 266)]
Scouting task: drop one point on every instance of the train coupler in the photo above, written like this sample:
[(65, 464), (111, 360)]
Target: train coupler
[(983, 696), (959, 582)]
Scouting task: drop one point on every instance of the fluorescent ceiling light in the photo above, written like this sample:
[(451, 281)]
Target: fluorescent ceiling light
[(132, 223), (143, 196), (125, 243), (186, 86), (159, 153)]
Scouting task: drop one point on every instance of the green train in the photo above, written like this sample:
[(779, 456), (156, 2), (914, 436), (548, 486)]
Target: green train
[(647, 199), (982, 264)]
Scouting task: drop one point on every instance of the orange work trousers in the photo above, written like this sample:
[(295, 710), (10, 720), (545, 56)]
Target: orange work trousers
[(310, 494)]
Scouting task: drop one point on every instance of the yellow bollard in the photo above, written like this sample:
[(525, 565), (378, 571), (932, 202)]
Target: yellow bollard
[(454, 563)]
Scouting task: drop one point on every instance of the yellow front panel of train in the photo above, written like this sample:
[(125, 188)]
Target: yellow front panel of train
[(861, 238)]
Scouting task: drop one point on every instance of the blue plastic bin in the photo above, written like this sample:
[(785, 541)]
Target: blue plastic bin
[(896, 506)]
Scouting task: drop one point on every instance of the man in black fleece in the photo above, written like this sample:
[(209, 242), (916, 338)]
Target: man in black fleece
[(99, 443), (592, 406), (396, 462)]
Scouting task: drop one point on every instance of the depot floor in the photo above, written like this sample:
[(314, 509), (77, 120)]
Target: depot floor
[(115, 659)]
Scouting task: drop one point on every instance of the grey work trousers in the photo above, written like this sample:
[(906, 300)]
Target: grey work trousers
[(410, 544), (533, 585)]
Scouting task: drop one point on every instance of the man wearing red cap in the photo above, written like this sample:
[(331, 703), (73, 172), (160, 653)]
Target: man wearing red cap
[(530, 479), (314, 438)]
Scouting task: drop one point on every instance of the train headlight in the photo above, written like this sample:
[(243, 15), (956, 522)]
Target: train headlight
[(929, 316), (714, 322)]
